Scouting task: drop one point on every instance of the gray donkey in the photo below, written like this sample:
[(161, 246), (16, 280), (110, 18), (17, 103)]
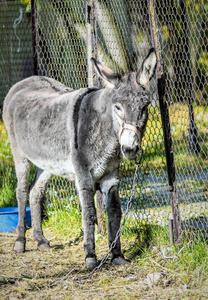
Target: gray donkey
[(80, 135)]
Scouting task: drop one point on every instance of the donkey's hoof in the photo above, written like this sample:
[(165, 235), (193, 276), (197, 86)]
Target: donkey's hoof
[(43, 246), (91, 263), (120, 261), (19, 247)]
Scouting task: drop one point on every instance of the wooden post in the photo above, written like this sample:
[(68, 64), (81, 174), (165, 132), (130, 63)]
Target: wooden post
[(170, 223), (165, 122), (91, 41), (99, 199), (92, 80)]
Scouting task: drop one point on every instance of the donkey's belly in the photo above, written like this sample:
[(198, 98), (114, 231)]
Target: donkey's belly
[(61, 167)]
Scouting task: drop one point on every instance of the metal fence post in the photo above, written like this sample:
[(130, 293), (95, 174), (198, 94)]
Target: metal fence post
[(165, 122), (34, 35)]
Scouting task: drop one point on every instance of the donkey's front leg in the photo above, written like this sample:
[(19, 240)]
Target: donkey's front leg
[(86, 196), (110, 188)]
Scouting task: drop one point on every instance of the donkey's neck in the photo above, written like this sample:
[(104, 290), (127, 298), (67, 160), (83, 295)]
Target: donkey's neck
[(98, 134)]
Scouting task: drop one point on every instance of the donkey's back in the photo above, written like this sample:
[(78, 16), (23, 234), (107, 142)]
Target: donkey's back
[(39, 111), (37, 93)]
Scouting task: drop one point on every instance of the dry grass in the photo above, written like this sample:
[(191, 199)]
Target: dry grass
[(56, 274)]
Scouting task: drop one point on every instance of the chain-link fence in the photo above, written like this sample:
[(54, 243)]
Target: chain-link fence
[(121, 39), (16, 56)]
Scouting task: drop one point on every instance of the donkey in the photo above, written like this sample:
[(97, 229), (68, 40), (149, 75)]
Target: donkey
[(80, 135)]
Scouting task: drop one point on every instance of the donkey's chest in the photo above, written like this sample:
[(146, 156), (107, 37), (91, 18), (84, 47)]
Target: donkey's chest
[(105, 163), (99, 171)]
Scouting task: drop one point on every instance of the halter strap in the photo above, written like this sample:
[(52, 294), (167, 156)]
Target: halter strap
[(124, 125)]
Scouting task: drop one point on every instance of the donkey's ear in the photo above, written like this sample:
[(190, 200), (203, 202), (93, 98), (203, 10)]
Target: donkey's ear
[(148, 68), (105, 73)]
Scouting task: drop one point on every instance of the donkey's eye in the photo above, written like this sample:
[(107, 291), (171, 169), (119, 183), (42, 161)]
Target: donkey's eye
[(143, 118), (118, 110), (144, 112)]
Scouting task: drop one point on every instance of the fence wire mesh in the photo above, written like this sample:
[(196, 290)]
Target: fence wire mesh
[(123, 40), (16, 45)]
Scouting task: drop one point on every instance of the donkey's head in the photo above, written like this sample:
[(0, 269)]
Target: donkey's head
[(129, 95)]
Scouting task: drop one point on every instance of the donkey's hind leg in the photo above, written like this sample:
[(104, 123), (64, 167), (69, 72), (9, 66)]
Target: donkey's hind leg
[(22, 166), (37, 191)]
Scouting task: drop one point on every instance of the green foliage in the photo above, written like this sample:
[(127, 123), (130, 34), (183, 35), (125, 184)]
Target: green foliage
[(26, 4), (8, 181), (7, 171), (7, 186), (189, 260), (64, 218), (203, 63)]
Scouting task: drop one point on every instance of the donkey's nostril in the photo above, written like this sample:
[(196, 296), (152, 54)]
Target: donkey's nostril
[(130, 153), (137, 149)]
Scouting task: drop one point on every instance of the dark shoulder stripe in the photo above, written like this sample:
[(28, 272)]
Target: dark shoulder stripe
[(76, 113)]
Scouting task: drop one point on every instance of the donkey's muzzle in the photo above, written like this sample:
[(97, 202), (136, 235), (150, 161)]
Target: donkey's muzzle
[(130, 153)]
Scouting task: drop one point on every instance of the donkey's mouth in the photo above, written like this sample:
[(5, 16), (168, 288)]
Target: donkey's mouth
[(129, 153)]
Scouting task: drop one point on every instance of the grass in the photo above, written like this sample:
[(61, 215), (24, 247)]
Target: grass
[(147, 247), (57, 274), (187, 264), (153, 242), (65, 218), (141, 241)]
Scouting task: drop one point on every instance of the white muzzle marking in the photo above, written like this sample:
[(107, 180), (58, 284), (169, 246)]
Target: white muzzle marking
[(124, 125)]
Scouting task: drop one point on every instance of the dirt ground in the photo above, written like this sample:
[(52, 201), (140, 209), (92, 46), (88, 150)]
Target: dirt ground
[(57, 274)]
